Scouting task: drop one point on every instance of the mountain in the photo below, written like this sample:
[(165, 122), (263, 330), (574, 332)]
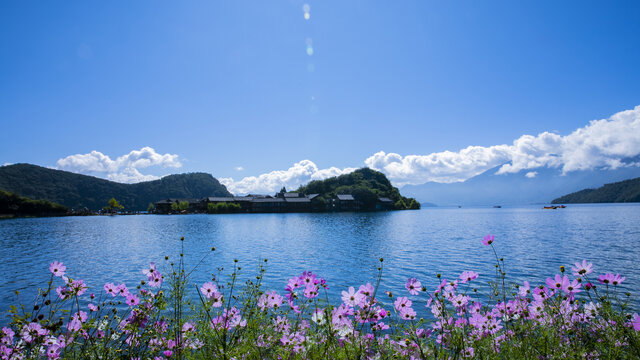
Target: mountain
[(489, 188), (622, 191), (78, 191), (366, 185)]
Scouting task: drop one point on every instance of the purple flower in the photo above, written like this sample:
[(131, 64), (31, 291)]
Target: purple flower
[(93, 307), (151, 270), (74, 325), (352, 298), (414, 286), (559, 282), (488, 240), (468, 276), (408, 313), (572, 288), (57, 268), (401, 303), (617, 280), (524, 290), (366, 290), (209, 289), (62, 292), (111, 289), (635, 322), (132, 300), (156, 279), (80, 316), (611, 279), (582, 269), (122, 290)]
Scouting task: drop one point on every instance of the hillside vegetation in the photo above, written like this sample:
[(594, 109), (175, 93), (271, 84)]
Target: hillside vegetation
[(364, 184), (618, 192), (12, 204), (78, 191)]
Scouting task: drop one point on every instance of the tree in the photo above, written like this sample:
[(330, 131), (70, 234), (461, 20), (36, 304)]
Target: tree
[(113, 206), (151, 207), (183, 205)]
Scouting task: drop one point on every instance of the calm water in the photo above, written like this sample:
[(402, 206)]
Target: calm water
[(342, 247)]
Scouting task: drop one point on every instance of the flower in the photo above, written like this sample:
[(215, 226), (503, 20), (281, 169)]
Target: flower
[(110, 289), (122, 290), (488, 240), (352, 298), (609, 278), (559, 282), (57, 268), (209, 289), (582, 269), (401, 303), (132, 300), (414, 286), (525, 289), (468, 276), (635, 322), (156, 279)]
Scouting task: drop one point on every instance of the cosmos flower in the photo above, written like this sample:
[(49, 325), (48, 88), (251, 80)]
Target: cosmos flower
[(57, 268)]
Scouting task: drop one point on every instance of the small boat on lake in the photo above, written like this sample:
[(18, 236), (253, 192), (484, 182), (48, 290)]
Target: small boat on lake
[(497, 206), (553, 207)]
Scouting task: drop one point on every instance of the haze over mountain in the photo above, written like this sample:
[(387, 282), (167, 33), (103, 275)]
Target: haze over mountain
[(540, 186), (78, 191)]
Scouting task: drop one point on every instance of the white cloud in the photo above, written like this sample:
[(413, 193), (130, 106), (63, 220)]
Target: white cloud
[(123, 169), (299, 174), (600, 144), (238, 168), (7, 164), (531, 174)]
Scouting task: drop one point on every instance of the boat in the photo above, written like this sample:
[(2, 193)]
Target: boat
[(550, 207), (497, 206)]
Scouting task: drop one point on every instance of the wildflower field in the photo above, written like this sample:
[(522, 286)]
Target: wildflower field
[(577, 314)]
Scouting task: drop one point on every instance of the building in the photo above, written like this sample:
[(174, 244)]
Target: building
[(281, 202)]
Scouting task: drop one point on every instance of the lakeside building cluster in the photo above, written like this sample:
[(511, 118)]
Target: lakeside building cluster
[(281, 202)]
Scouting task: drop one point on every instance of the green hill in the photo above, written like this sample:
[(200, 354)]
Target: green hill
[(364, 184), (14, 205), (623, 191), (78, 191)]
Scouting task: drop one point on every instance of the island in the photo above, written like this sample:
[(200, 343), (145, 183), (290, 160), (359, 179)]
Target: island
[(362, 190)]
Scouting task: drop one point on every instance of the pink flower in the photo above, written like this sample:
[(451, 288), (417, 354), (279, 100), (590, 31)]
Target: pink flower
[(122, 290), (524, 290), (209, 289), (414, 286), (609, 278), (111, 289), (635, 322), (156, 279), (488, 240), (57, 268), (132, 300), (468, 276), (353, 297), (93, 307), (582, 269), (559, 282), (401, 303)]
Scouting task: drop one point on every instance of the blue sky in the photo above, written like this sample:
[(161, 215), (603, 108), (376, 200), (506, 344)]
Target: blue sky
[(223, 85)]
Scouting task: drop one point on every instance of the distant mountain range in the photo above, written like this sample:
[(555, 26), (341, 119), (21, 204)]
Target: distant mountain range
[(622, 191), (515, 189), (79, 191)]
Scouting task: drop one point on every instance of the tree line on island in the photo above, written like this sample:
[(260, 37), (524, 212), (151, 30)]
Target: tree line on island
[(618, 192)]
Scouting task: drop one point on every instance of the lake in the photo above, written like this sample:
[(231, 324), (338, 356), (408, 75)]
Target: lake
[(344, 248)]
